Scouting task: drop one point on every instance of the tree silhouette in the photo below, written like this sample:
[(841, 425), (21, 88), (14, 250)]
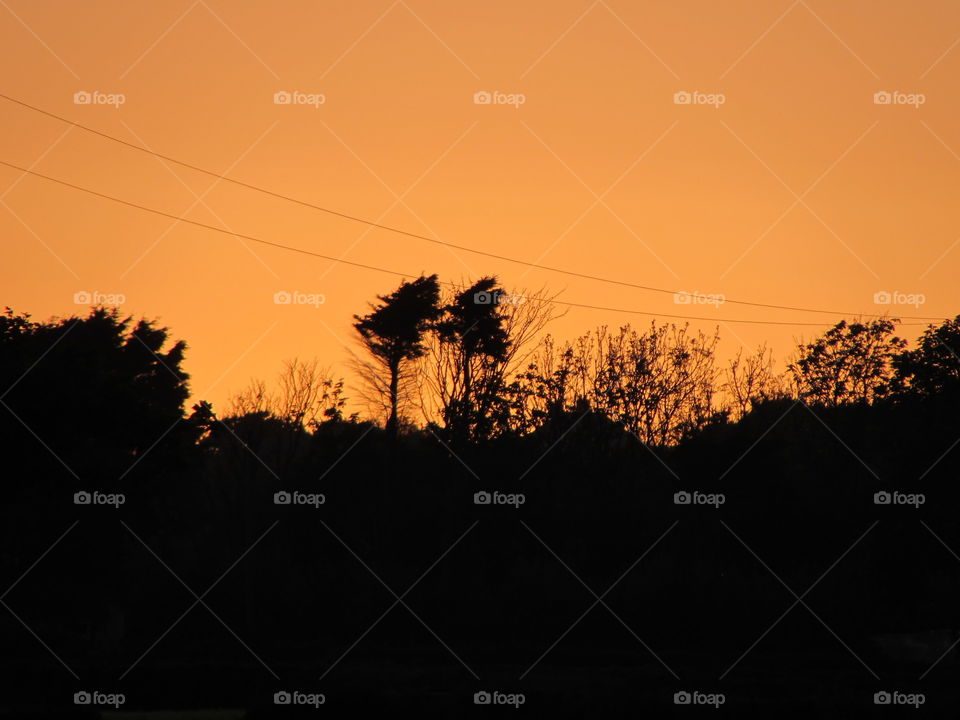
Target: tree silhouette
[(392, 334), (658, 384), (751, 379), (102, 387), (473, 332), (851, 362), (92, 403), (933, 368)]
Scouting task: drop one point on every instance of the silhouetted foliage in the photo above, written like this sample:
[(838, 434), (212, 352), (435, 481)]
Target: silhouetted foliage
[(751, 379), (392, 335), (933, 367), (101, 391), (659, 385), (851, 362), (474, 345)]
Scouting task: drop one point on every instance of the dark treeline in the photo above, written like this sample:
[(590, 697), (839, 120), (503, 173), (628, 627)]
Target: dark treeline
[(584, 446)]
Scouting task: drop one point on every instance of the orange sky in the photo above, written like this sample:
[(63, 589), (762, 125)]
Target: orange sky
[(797, 190)]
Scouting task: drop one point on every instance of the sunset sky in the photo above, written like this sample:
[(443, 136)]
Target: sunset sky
[(788, 184)]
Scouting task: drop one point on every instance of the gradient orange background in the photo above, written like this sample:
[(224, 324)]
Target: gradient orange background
[(702, 198)]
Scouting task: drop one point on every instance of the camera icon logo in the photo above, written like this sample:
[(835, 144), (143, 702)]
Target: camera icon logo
[(82, 698), (882, 498), (482, 498), (282, 98), (882, 698), (82, 98), (82, 498), (481, 698), (82, 298), (282, 498), (486, 298), (882, 298), (682, 98), (482, 98), (282, 297), (682, 498), (682, 698), (282, 698), (882, 98)]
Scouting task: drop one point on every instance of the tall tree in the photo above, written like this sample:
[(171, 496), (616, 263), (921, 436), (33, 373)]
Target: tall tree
[(933, 368), (475, 341), (90, 403), (392, 334), (491, 379), (851, 362), (105, 392)]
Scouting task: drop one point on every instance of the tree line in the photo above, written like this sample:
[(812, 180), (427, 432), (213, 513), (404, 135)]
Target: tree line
[(476, 363)]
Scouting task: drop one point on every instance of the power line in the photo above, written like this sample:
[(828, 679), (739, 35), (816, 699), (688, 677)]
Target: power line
[(389, 228), (365, 266)]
